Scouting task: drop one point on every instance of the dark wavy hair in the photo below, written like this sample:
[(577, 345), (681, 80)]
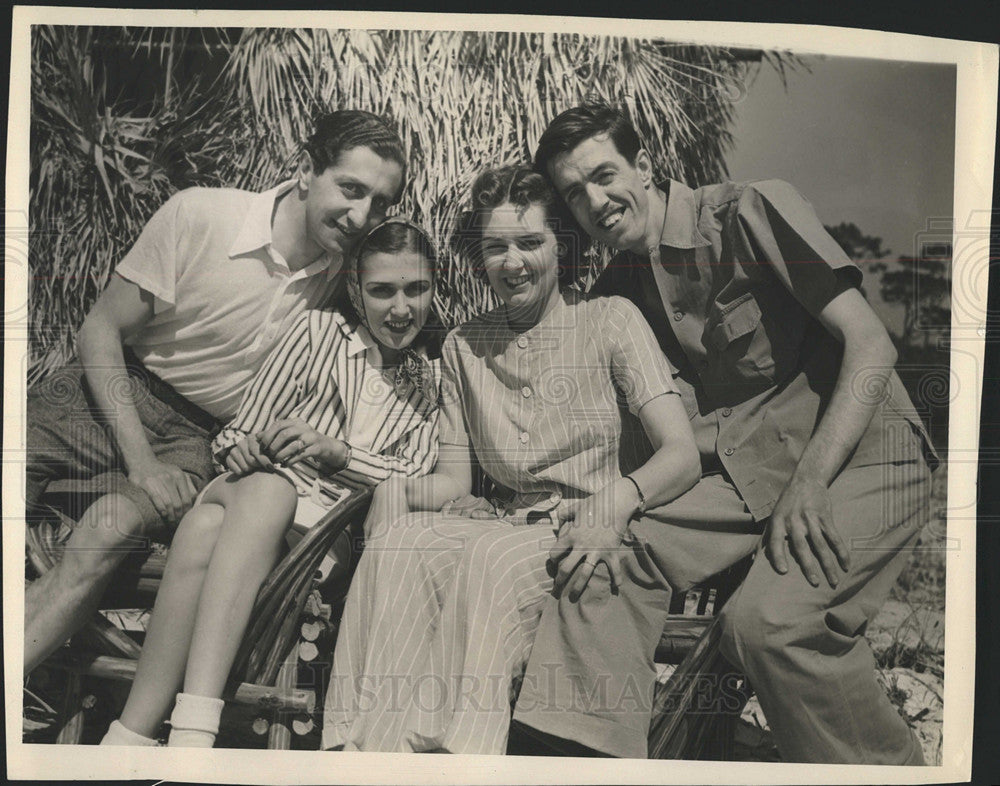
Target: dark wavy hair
[(521, 186), (334, 133), (395, 235), (576, 125)]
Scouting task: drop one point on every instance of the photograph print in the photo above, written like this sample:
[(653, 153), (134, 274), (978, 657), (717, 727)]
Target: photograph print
[(536, 392)]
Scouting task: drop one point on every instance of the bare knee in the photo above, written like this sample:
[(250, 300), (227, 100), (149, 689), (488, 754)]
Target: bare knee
[(265, 502), (108, 531), (196, 537)]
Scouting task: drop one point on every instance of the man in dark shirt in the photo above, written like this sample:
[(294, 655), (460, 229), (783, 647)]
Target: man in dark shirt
[(806, 436)]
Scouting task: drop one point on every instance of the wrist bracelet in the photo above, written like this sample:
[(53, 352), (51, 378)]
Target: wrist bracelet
[(347, 455), (642, 497)]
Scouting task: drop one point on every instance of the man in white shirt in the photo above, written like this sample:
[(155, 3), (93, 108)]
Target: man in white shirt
[(208, 289)]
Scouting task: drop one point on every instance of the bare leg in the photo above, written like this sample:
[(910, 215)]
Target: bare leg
[(164, 654), (61, 601), (259, 509)]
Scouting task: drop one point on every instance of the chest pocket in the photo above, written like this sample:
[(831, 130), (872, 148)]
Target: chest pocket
[(736, 320), (735, 336)]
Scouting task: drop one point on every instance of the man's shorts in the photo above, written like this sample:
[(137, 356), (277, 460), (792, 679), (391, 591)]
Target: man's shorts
[(73, 458)]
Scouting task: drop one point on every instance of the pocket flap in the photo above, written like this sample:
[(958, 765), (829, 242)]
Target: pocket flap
[(739, 318)]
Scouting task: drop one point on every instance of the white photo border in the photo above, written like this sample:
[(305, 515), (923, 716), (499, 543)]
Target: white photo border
[(976, 109)]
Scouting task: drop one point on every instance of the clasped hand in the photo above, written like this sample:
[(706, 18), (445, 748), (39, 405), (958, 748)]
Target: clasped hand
[(590, 533), (286, 441)]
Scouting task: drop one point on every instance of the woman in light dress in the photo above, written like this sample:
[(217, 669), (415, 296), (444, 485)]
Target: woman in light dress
[(443, 609)]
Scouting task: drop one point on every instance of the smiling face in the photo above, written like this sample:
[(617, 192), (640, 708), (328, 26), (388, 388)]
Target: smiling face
[(397, 290), (520, 258), (348, 198), (607, 194)]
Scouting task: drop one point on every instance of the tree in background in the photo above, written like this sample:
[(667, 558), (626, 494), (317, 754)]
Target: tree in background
[(921, 286), (123, 117), (856, 243)]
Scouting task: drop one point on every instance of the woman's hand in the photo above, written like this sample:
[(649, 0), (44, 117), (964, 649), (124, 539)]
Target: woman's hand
[(292, 440), (470, 506), (245, 457), (592, 532)]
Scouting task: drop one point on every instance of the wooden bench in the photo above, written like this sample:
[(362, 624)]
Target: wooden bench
[(696, 707), (288, 618)]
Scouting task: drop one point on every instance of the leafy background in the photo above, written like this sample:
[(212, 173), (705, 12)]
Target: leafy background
[(123, 117)]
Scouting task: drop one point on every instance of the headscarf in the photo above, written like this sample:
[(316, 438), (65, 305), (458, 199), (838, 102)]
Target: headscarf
[(413, 371)]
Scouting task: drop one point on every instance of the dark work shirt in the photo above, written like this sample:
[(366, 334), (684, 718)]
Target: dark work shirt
[(743, 271)]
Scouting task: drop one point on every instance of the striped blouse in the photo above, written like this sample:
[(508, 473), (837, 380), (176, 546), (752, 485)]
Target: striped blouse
[(542, 409), (316, 374)]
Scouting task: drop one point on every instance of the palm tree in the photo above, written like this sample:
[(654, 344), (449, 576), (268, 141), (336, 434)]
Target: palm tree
[(122, 117)]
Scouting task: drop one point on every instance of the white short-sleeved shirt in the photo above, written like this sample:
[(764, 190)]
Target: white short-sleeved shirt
[(223, 295)]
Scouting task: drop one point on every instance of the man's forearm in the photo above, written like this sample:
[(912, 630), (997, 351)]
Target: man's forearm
[(860, 386), (103, 360)]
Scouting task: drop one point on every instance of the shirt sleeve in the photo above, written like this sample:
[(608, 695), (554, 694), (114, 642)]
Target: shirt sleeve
[(780, 229), (453, 428), (155, 261), (275, 390), (639, 367), (414, 455)]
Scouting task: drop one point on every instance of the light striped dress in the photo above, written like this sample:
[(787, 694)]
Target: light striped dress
[(443, 609), (322, 373)]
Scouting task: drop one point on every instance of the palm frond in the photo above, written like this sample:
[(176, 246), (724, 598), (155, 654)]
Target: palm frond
[(104, 157)]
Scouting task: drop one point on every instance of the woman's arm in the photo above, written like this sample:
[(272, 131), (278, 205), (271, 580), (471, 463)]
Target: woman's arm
[(599, 523), (452, 476), (416, 456), (451, 479), (397, 496), (676, 465), (270, 396)]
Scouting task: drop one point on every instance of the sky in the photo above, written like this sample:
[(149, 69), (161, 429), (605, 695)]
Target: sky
[(866, 141)]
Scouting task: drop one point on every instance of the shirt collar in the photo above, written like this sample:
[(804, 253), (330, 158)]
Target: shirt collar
[(680, 225), (256, 230), (256, 233), (358, 338)]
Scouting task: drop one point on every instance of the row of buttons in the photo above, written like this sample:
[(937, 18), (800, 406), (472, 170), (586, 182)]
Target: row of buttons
[(726, 412), (522, 342)]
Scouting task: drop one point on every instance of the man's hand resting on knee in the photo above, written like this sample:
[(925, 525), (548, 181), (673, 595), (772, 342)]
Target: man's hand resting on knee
[(169, 487), (803, 521)]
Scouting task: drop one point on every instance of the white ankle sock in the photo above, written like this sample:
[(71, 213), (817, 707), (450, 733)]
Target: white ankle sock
[(118, 734), (194, 721)]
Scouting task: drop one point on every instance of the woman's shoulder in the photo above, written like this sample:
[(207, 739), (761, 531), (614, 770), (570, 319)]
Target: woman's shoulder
[(477, 329), (325, 322), (609, 307)]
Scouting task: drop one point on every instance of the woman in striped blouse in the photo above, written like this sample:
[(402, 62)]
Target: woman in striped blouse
[(349, 395), (444, 605)]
